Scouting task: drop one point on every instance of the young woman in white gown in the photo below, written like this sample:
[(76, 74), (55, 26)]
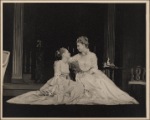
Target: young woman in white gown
[(99, 89), (58, 90)]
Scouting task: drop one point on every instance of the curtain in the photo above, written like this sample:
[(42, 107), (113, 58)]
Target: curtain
[(109, 34)]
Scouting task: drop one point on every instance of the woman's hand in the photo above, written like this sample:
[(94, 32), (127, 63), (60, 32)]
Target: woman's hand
[(49, 91), (44, 87), (44, 91)]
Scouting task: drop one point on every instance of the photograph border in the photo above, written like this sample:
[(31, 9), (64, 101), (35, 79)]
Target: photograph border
[(83, 1)]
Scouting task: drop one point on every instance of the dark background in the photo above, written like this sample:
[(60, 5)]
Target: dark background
[(59, 25)]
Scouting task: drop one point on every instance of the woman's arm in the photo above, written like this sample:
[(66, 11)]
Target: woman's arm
[(94, 66), (73, 58)]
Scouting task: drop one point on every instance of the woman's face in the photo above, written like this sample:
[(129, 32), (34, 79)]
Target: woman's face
[(66, 54), (81, 47)]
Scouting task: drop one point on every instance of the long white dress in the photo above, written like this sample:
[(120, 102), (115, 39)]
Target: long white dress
[(92, 86), (99, 89), (60, 90)]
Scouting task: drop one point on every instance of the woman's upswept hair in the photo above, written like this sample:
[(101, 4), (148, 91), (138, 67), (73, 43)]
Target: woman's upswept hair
[(59, 53), (83, 40)]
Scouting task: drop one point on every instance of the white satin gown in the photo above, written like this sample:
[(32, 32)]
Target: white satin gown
[(99, 89)]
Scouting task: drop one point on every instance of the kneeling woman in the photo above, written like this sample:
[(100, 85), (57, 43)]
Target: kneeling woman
[(58, 90)]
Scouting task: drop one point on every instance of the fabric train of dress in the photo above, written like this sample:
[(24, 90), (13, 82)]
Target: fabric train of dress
[(92, 86), (99, 89), (65, 91), (63, 94)]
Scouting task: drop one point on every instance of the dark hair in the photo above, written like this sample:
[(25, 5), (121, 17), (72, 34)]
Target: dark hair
[(83, 40), (59, 53)]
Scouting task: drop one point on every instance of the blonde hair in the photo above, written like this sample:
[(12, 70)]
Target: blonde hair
[(83, 40)]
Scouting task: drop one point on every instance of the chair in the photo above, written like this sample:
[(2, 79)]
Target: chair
[(6, 55), (137, 83), (138, 76)]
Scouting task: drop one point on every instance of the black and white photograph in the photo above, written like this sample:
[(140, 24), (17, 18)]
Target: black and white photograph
[(74, 59)]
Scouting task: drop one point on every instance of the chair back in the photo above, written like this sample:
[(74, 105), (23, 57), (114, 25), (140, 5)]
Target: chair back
[(138, 73), (6, 55), (138, 76)]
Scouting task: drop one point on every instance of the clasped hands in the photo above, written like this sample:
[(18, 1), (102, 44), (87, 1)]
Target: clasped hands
[(49, 91)]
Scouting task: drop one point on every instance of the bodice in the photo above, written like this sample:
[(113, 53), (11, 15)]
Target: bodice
[(61, 68), (64, 68), (84, 64)]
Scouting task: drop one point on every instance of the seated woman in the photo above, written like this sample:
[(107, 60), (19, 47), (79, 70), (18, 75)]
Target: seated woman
[(58, 90), (99, 89)]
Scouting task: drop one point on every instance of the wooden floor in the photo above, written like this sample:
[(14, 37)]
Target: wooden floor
[(12, 89)]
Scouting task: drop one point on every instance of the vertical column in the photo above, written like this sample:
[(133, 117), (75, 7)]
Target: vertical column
[(109, 40), (17, 42), (109, 36)]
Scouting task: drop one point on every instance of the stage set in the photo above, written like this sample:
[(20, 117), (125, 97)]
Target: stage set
[(32, 32)]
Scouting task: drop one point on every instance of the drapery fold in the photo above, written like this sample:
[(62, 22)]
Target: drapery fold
[(109, 34), (17, 41)]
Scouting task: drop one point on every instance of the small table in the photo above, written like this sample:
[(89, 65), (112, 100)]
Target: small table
[(109, 71)]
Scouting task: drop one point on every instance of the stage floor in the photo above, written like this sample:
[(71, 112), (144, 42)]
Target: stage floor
[(72, 111), (12, 89)]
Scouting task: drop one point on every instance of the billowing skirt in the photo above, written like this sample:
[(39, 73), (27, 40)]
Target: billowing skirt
[(66, 92), (88, 89), (99, 89)]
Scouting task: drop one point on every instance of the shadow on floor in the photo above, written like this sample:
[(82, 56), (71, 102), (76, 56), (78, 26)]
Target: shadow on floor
[(11, 110)]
